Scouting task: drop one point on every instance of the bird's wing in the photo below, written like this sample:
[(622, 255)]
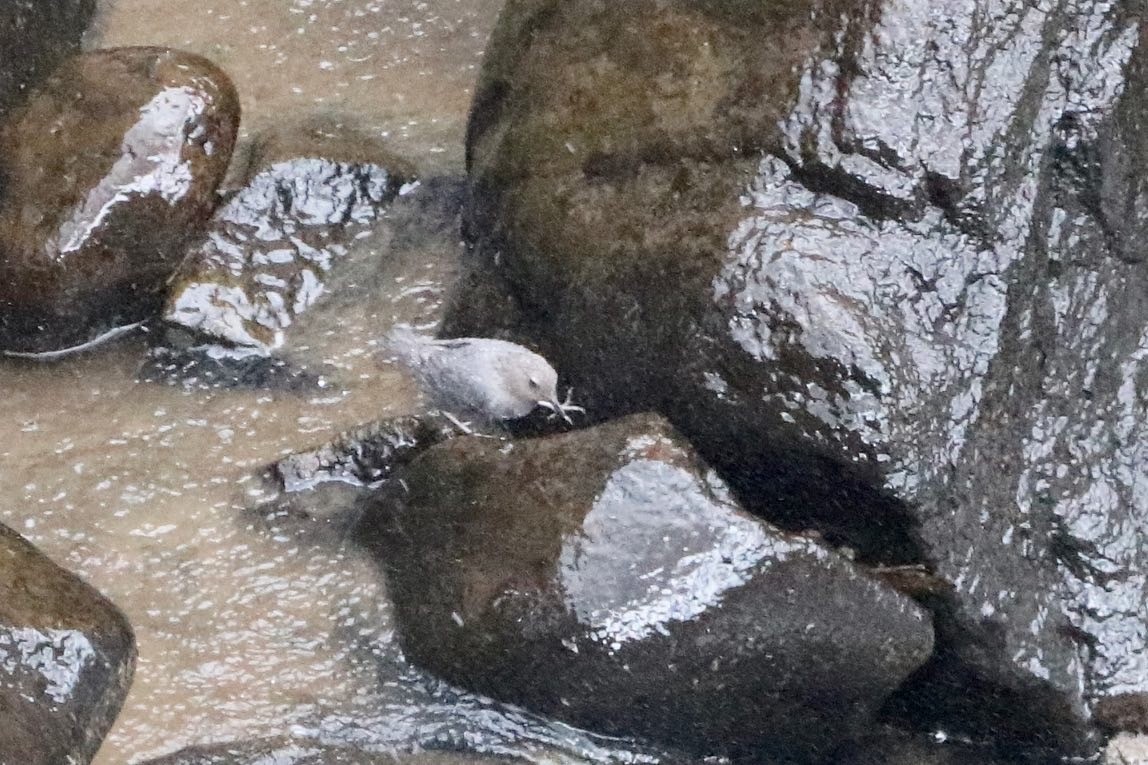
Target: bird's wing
[(455, 383)]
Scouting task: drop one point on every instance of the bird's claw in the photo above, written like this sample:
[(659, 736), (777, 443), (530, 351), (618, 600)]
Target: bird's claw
[(563, 408)]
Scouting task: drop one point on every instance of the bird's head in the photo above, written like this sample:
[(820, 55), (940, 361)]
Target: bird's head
[(535, 383)]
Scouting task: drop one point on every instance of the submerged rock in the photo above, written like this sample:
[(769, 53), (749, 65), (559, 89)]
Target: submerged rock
[(109, 168), (318, 495), (916, 325), (187, 363), (361, 457), (606, 577), (66, 660)]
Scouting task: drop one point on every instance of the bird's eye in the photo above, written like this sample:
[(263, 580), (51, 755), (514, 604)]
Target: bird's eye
[(534, 383)]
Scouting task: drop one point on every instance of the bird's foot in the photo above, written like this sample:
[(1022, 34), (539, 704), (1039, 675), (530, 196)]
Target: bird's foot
[(566, 406), (563, 408)]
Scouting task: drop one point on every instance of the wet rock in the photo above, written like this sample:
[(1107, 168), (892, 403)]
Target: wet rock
[(318, 495), (396, 269), (302, 752), (362, 457), (586, 110), (35, 37), (1110, 165), (911, 326), (269, 250), (606, 577), (980, 361), (108, 169), (66, 660)]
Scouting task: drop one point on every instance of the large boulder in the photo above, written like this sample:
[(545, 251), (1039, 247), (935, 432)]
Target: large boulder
[(66, 660), (915, 324), (607, 578), (108, 169)]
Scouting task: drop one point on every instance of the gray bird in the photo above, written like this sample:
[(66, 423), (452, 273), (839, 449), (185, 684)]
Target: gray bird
[(480, 378)]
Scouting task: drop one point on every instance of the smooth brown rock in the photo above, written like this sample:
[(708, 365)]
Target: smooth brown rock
[(606, 577), (109, 168), (67, 656)]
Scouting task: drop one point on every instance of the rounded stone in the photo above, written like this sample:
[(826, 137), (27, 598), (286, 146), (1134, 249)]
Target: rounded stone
[(606, 577), (107, 170)]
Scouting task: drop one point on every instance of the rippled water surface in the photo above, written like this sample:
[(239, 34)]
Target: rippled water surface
[(142, 487)]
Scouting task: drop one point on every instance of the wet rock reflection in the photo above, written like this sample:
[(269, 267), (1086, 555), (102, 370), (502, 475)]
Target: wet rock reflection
[(919, 333), (110, 168), (268, 250)]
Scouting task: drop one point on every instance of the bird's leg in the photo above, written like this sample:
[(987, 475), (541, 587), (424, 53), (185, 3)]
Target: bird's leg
[(463, 427)]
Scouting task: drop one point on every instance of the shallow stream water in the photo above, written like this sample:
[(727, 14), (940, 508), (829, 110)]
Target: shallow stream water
[(144, 489)]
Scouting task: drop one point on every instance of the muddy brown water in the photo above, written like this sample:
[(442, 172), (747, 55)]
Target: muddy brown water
[(402, 69), (142, 488)]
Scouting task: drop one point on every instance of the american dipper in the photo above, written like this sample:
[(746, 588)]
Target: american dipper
[(480, 378)]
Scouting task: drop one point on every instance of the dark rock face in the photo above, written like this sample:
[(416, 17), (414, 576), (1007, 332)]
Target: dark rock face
[(917, 325), (268, 251), (606, 577), (586, 110), (35, 36), (66, 660), (108, 169)]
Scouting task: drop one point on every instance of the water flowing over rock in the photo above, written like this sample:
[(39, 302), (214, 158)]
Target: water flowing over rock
[(35, 37), (268, 251), (915, 325), (66, 660), (301, 752), (607, 578), (109, 168)]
